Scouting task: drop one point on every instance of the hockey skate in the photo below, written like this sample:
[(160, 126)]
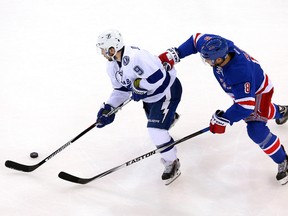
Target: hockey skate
[(282, 175), (175, 120), (171, 171), (284, 111)]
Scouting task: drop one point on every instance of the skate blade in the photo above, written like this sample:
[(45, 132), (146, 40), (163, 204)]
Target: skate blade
[(169, 181), (284, 181)]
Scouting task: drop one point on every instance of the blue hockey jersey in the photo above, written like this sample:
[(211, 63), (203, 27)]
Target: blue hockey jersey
[(242, 77)]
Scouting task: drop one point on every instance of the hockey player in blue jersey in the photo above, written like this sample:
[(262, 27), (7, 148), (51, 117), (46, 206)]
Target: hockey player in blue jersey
[(242, 78), (136, 73)]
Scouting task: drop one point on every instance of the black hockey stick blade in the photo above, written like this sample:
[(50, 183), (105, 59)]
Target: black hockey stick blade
[(79, 180), (29, 168), (75, 179), (21, 167), (72, 178)]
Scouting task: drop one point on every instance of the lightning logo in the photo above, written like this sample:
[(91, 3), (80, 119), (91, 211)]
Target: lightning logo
[(165, 110)]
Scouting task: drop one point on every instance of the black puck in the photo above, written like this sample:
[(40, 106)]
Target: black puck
[(33, 154)]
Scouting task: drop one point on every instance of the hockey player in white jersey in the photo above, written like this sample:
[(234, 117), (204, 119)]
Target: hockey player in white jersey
[(136, 73)]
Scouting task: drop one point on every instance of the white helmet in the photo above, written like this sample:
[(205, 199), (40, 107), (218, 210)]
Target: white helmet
[(108, 39)]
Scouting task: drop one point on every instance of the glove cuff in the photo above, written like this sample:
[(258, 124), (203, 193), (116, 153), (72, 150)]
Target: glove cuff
[(172, 54), (136, 87), (218, 119)]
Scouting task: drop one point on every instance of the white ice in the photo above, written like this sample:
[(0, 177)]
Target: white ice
[(53, 81)]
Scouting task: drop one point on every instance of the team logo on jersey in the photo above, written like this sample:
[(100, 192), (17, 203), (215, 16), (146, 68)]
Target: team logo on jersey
[(120, 79), (119, 75), (126, 60)]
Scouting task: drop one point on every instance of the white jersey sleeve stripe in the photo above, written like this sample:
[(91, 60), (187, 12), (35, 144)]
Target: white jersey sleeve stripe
[(247, 103)]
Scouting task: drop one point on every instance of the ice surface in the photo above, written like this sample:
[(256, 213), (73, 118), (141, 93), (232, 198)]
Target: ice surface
[(53, 81)]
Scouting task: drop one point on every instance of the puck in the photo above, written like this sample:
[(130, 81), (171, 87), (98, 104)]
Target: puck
[(33, 154)]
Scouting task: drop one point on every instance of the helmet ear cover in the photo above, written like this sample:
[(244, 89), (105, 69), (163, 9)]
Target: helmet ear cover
[(214, 48)]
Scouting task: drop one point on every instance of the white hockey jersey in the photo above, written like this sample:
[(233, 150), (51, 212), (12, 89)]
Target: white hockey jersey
[(138, 63)]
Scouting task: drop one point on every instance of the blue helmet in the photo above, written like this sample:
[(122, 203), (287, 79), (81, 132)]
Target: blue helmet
[(214, 48)]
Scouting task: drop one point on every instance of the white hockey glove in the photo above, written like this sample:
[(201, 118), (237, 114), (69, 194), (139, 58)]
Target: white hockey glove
[(218, 123), (169, 58)]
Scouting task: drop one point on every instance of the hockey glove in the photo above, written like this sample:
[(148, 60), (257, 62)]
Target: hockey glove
[(218, 123), (137, 92), (103, 118), (169, 58)]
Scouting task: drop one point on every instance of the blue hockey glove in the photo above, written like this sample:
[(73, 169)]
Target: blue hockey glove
[(103, 118), (137, 92), (218, 123)]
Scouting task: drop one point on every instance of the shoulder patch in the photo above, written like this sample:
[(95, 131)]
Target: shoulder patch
[(126, 60)]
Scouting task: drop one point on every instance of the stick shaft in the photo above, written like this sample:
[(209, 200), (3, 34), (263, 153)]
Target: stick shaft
[(30, 168), (79, 180)]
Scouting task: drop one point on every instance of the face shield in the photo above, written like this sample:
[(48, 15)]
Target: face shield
[(207, 61)]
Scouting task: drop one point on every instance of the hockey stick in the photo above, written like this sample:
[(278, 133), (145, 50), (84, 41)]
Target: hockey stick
[(72, 178), (30, 168)]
